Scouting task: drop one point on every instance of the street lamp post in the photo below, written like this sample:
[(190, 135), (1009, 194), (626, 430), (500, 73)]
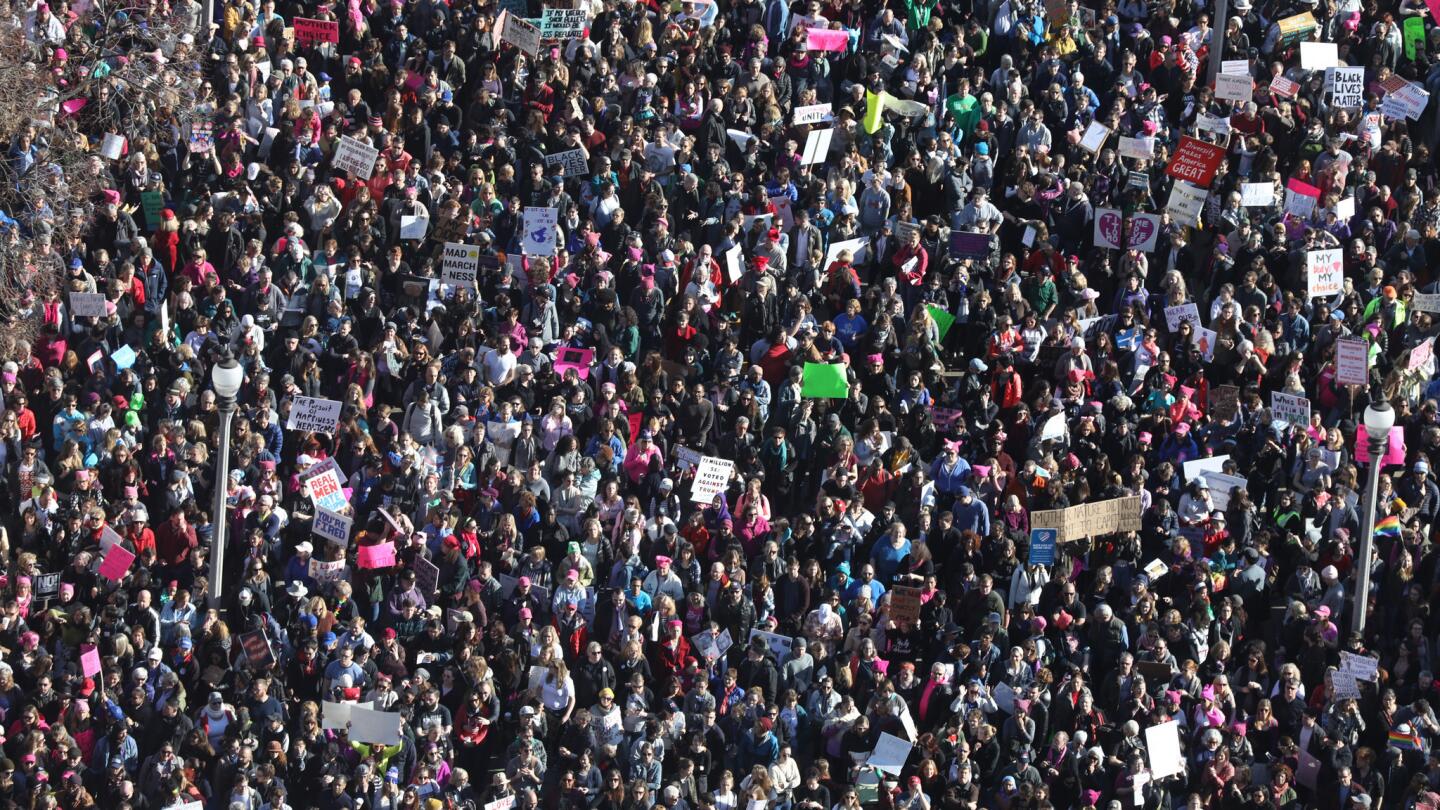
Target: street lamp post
[(1379, 418), (225, 378)]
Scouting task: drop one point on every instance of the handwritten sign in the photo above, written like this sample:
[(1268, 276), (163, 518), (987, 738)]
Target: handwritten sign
[(309, 31), (1091, 519), (1348, 89), (1352, 361), (90, 661), (332, 527), (538, 238), (712, 477), (460, 265), (312, 415), (355, 157), (87, 305), (811, 114), (1289, 408), (1325, 270), (1233, 88), (326, 571), (563, 23)]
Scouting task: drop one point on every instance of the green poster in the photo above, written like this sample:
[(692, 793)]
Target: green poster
[(943, 319), (1414, 36), (825, 381), (154, 203)]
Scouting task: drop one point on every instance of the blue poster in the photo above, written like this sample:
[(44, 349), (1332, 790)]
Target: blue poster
[(1042, 546)]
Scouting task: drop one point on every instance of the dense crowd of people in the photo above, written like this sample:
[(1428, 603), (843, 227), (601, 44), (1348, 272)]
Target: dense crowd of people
[(733, 405)]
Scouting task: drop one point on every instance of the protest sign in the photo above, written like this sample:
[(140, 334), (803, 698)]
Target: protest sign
[(316, 31), (1352, 361), (1218, 124), (257, 649), (825, 381), (1195, 161), (1394, 447), (87, 305), (1186, 203), (859, 251), (1325, 270), (312, 415), (112, 146), (778, 645), (427, 577), (1094, 137), (817, 146), (153, 205), (578, 359), (1222, 487), (1421, 354), (1319, 55), (1426, 302), (1300, 198), (332, 527), (90, 664), (323, 483), (355, 157), (964, 245), (326, 570), (1042, 546), (371, 726), (1231, 87), (1257, 195), (563, 23), (574, 161), (1162, 742), (811, 114), (890, 754), (521, 33), (47, 586), (539, 231), (905, 604), (337, 715), (1180, 313), (116, 563), (1360, 667), (825, 39), (1283, 87), (1195, 469), (1137, 148), (1348, 90), (381, 555), (1289, 408), (1293, 29), (1090, 519), (460, 265), (712, 477)]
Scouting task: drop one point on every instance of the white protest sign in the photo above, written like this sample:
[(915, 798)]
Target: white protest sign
[(415, 226), (1094, 137), (1345, 209), (1163, 744), (1257, 195), (87, 305), (1325, 270), (460, 265), (370, 726), (355, 157), (521, 33), (563, 23), (1186, 202), (778, 645), (1426, 302), (1319, 55), (890, 754), (322, 571), (1289, 408), (1412, 99), (1421, 354), (1054, 428), (1217, 124), (539, 236), (1352, 361), (1137, 148), (1231, 87), (1180, 313), (1361, 667), (1298, 204), (113, 146), (817, 146), (1348, 90), (1200, 466), (336, 715), (332, 527), (859, 251), (812, 114), (314, 415), (1221, 485), (1235, 67), (712, 477), (1345, 686), (734, 263), (322, 483)]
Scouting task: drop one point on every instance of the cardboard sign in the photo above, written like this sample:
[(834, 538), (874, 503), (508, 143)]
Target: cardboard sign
[(1325, 270), (1224, 402), (1257, 195), (1091, 519), (563, 23), (116, 563), (334, 528), (1195, 161), (574, 161), (377, 556), (712, 477), (1289, 408), (1293, 29), (1231, 87), (1186, 203), (1352, 361), (538, 238), (1042, 546), (1094, 137), (1360, 667), (460, 265), (1348, 90), (312, 31), (312, 415), (1137, 148), (521, 33), (812, 114), (87, 305), (355, 157)]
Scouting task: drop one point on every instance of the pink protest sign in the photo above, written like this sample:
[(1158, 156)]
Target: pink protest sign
[(1394, 453), (381, 556), (89, 661), (823, 39), (578, 359), (117, 562)]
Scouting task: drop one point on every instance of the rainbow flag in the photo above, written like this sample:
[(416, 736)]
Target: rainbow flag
[(1404, 741), (1389, 527)]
